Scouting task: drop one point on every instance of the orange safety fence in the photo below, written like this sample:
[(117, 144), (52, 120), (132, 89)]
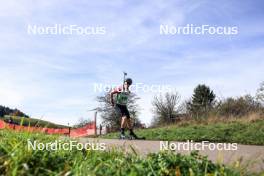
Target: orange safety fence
[(2, 124), (83, 131), (88, 129)]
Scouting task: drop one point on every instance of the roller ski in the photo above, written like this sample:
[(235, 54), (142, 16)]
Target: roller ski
[(133, 136), (122, 137)]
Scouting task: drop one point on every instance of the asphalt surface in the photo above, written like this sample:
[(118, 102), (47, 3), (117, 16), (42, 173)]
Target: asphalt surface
[(249, 156)]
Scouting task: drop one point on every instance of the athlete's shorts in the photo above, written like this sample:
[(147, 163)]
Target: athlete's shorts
[(122, 109)]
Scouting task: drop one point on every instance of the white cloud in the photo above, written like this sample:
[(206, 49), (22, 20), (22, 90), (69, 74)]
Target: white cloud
[(10, 97), (52, 75)]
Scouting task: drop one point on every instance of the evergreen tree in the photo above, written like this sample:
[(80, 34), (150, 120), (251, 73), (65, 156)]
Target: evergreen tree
[(202, 101)]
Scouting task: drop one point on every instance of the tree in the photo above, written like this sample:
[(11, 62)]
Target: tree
[(82, 122), (13, 112), (260, 93), (202, 101), (111, 117), (166, 108)]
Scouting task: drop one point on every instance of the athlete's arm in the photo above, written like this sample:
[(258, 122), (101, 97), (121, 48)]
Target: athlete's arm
[(114, 91)]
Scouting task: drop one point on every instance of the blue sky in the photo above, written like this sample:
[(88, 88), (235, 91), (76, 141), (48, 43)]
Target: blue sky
[(52, 76)]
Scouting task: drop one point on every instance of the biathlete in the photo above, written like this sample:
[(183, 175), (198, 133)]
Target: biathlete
[(120, 105)]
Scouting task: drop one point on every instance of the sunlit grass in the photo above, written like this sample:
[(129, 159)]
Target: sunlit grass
[(236, 132), (17, 159)]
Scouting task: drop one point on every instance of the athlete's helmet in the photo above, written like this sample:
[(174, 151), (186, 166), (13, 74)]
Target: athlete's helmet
[(129, 81)]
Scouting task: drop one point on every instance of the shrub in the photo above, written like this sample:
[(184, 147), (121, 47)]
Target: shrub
[(238, 107)]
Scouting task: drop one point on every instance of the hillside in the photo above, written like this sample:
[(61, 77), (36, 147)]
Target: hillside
[(233, 132), (31, 122), (18, 117)]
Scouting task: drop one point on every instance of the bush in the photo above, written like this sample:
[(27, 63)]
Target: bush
[(260, 93), (166, 108), (238, 107)]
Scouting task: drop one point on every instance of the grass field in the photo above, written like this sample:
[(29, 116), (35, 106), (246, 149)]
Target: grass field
[(17, 159), (237, 132), (32, 122)]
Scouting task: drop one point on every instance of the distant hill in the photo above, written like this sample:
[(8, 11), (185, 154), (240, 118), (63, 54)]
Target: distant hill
[(30, 122), (16, 116), (12, 112)]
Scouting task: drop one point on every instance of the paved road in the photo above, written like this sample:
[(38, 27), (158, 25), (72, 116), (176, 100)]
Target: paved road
[(250, 155)]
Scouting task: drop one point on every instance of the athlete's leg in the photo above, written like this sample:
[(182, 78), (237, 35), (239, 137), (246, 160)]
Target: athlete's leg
[(129, 124), (123, 121), (130, 127), (120, 111), (126, 122), (123, 126)]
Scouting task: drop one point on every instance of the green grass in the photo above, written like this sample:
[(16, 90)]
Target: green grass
[(17, 159), (236, 132), (32, 122)]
